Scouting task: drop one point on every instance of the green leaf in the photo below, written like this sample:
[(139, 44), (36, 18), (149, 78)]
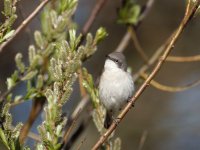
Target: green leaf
[(53, 17), (31, 93), (17, 98), (8, 7), (129, 13), (31, 53), (100, 35), (45, 21), (29, 75), (3, 138), (19, 63), (40, 81), (39, 39), (10, 83), (9, 35), (117, 144), (88, 83)]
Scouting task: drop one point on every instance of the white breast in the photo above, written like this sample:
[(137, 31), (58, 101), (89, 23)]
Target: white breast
[(115, 88)]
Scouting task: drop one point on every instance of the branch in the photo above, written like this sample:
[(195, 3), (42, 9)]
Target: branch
[(82, 141), (32, 135), (37, 107), (124, 42), (143, 139), (137, 45), (170, 88), (158, 66), (24, 23), (97, 8), (146, 11), (68, 132), (183, 59), (82, 126)]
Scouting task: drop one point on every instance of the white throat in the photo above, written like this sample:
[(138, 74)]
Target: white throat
[(110, 65)]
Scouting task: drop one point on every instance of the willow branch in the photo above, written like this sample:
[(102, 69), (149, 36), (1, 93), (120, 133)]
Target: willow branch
[(170, 88), (156, 69), (24, 23)]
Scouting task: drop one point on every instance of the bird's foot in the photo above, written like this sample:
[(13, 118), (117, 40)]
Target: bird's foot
[(129, 101), (116, 120)]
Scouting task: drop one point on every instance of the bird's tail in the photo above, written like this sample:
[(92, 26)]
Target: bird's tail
[(108, 120)]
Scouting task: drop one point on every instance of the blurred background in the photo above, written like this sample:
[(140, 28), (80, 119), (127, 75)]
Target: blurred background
[(169, 120)]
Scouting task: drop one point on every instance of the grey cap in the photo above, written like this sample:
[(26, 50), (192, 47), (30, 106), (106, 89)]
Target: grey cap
[(119, 59)]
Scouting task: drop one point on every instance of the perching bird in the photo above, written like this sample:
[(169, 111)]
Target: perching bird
[(116, 85)]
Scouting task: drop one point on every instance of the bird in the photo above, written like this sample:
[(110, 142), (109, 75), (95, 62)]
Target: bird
[(116, 86)]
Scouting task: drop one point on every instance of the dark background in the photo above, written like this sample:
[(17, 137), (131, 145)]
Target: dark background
[(171, 120)]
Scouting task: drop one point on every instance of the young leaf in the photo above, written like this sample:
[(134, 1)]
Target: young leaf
[(29, 75)]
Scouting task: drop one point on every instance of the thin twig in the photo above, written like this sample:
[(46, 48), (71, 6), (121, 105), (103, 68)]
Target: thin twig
[(146, 11), (142, 140), (82, 89), (34, 136), (124, 42), (152, 60), (24, 23), (183, 59), (20, 101), (158, 66), (31, 135), (28, 30), (6, 93), (68, 132), (82, 126), (170, 88), (79, 146), (79, 108), (137, 45), (95, 11), (37, 106)]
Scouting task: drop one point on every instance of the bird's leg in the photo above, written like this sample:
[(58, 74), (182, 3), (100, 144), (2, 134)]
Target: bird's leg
[(116, 120)]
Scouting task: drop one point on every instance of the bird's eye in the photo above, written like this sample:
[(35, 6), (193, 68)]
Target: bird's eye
[(116, 61)]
